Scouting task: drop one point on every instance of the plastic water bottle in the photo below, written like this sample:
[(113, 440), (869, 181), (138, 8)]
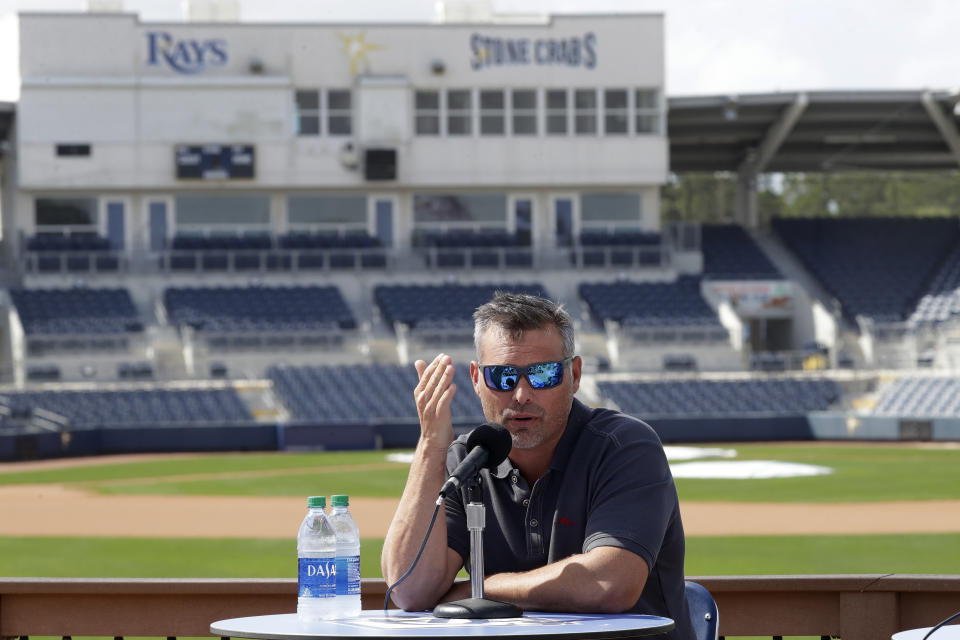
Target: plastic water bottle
[(348, 557), (316, 559)]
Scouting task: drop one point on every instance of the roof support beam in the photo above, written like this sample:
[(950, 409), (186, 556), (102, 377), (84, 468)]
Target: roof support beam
[(945, 125), (758, 159), (775, 136)]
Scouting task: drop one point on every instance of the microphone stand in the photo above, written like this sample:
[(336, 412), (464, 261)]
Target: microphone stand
[(476, 606)]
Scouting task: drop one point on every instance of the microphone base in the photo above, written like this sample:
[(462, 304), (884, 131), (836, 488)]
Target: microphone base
[(477, 608)]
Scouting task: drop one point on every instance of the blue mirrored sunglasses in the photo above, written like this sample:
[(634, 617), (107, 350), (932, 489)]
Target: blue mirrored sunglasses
[(505, 377)]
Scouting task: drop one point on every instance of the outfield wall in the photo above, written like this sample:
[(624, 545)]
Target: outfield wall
[(404, 435), (839, 426), (347, 436)]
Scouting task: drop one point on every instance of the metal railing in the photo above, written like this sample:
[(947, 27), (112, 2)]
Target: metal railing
[(851, 607)]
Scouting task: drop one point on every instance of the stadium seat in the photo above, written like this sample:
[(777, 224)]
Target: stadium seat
[(157, 407), (703, 611), (335, 394), (721, 397), (439, 307), (650, 304), (259, 309), (79, 311), (875, 267), (729, 253)]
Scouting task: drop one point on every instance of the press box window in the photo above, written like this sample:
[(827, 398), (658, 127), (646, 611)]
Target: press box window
[(524, 104), (339, 112), (615, 119), (459, 112), (492, 113), (230, 214), (65, 212), (73, 150), (426, 105), (614, 211), (585, 111), (308, 112), (475, 210), (308, 213), (647, 106), (557, 112)]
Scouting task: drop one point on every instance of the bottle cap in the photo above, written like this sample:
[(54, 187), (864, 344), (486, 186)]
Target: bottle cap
[(340, 501), (317, 501)]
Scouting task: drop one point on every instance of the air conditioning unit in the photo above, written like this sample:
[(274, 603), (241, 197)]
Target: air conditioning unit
[(380, 164)]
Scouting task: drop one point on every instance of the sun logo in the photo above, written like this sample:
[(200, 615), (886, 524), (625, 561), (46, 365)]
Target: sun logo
[(356, 47)]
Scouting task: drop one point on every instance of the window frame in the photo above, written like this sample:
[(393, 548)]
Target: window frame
[(493, 114), (621, 112), (338, 112), (524, 112), (591, 112), (462, 114), (434, 113), (300, 113), (557, 114), (653, 112)]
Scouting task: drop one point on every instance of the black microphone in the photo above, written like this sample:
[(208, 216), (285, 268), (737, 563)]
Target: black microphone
[(488, 446)]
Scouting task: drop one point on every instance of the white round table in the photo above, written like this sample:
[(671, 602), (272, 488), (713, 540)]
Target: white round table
[(377, 625), (946, 632)]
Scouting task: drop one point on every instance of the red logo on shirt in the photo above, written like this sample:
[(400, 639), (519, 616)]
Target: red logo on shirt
[(564, 520)]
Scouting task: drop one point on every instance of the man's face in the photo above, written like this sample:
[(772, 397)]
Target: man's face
[(532, 416)]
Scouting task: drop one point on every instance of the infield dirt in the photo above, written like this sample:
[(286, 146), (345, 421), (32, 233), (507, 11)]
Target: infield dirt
[(52, 510), (57, 510)]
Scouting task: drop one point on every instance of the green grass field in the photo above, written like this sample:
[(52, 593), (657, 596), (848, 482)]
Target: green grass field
[(862, 473)]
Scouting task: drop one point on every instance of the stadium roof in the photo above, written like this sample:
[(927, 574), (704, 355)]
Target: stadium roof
[(7, 109), (814, 131)]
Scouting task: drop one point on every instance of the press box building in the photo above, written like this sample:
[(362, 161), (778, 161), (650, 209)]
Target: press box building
[(144, 131)]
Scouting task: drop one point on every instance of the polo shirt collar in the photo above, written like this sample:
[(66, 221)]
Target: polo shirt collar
[(579, 415)]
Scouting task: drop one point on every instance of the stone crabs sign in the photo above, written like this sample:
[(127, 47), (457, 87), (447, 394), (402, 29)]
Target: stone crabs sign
[(495, 51)]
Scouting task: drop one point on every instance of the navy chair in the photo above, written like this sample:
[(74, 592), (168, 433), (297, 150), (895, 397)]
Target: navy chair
[(703, 611)]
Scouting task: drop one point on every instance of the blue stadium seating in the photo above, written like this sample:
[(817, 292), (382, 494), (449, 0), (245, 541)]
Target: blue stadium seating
[(596, 244), (76, 253), (185, 242), (729, 253), (875, 267), (440, 306), (266, 309), (915, 396), (329, 240), (359, 393), (478, 249), (76, 311), (941, 301), (341, 251), (46, 242), (254, 251), (650, 304), (787, 396), (155, 407)]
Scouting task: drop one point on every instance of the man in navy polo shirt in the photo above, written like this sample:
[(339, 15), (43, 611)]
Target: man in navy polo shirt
[(582, 517)]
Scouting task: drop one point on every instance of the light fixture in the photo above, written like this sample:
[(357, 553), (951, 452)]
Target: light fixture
[(730, 108), (349, 157)]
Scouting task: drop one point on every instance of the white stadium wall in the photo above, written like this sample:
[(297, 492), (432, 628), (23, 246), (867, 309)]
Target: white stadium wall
[(133, 91)]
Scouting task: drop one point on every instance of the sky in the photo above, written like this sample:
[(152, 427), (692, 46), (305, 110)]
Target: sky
[(712, 46)]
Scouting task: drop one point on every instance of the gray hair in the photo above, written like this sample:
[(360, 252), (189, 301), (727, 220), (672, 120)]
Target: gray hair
[(515, 313)]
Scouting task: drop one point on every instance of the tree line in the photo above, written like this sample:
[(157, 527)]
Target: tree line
[(709, 197)]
